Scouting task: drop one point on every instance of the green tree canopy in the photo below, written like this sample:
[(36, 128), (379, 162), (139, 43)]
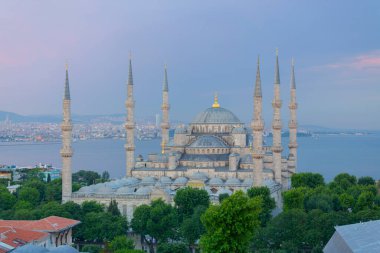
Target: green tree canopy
[(186, 199), (366, 181), (268, 203), (121, 242), (172, 248), (29, 194), (307, 179), (230, 226)]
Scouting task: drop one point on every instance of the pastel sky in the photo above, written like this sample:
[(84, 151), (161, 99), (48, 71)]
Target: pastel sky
[(208, 46)]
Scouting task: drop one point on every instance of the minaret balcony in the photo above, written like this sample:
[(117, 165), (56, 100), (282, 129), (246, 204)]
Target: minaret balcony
[(293, 106), (129, 125), (258, 154), (165, 125), (130, 103), (165, 106), (277, 125), (257, 125), (277, 103), (66, 152), (66, 127), (292, 124), (277, 149), (293, 145), (129, 147)]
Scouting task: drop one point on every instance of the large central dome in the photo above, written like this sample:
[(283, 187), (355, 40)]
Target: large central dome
[(216, 116)]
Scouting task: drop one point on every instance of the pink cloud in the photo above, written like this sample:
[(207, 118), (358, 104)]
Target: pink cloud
[(368, 61)]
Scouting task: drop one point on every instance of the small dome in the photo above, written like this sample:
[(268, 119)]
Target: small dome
[(216, 181), (180, 130), (199, 176), (143, 191), (239, 130), (64, 249), (165, 180), (125, 190), (30, 248), (248, 182), (216, 115), (148, 181), (129, 181), (233, 182), (224, 191), (180, 181), (105, 190), (208, 141)]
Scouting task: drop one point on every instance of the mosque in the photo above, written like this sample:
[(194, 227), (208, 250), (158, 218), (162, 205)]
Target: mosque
[(212, 153)]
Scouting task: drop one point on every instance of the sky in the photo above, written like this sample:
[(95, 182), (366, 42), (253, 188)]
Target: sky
[(208, 46)]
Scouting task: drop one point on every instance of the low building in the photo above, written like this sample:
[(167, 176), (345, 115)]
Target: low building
[(361, 237), (5, 173), (50, 232)]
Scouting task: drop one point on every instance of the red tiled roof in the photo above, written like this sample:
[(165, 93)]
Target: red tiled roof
[(48, 224), (16, 237)]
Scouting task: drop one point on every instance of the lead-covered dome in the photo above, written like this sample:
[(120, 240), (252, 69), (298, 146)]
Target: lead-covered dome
[(208, 141), (216, 116)]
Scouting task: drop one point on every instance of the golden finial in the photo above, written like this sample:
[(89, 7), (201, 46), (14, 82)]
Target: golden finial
[(163, 147), (216, 103)]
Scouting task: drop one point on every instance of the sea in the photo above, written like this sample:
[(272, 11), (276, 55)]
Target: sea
[(328, 155)]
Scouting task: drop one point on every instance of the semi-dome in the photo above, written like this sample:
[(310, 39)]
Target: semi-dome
[(248, 182), (216, 181), (180, 181), (199, 176), (144, 191), (208, 141), (165, 180), (216, 116), (233, 182), (148, 181), (125, 190)]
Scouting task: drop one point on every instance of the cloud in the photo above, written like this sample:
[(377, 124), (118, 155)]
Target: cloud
[(367, 61)]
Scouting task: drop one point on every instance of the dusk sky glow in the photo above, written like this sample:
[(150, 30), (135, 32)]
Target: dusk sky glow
[(208, 46)]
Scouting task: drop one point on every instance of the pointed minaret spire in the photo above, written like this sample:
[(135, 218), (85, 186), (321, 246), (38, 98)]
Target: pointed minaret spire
[(165, 86), (67, 86), (165, 126), (292, 77), (277, 70), (257, 128), (277, 126), (130, 124), (66, 150), (258, 92), (293, 123)]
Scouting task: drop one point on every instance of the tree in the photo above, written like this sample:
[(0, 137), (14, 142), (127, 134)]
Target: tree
[(53, 208), (223, 196), (294, 199), (172, 248), (121, 243), (48, 178), (346, 201), (268, 203), (366, 181), (192, 228), (307, 179), (92, 206), (158, 221), (91, 248), (365, 201), (53, 190), (73, 209), (37, 184), (230, 226), (345, 180), (113, 208), (85, 177), (29, 194), (7, 200), (186, 199), (105, 175)]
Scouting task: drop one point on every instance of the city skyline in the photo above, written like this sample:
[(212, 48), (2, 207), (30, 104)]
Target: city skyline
[(337, 66)]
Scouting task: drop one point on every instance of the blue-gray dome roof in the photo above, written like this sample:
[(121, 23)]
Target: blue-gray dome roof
[(216, 115), (208, 141), (239, 130)]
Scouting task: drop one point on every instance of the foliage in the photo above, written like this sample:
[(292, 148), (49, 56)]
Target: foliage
[(223, 196), (192, 228), (121, 243), (366, 181), (231, 225), (7, 200), (294, 198), (129, 251), (268, 203), (113, 208), (345, 180), (91, 248), (186, 199), (29, 194), (172, 248), (307, 179), (84, 177), (105, 175)]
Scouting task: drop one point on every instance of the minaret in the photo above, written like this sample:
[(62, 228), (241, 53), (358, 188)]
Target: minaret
[(276, 124), (258, 127), (130, 124), (66, 151), (293, 118), (165, 111)]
